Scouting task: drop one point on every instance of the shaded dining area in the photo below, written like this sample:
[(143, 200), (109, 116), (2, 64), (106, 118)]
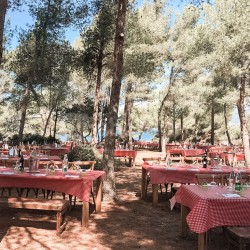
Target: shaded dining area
[(37, 180), (215, 195)]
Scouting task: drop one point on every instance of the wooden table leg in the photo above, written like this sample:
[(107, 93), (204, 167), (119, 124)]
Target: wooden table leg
[(202, 238), (143, 183), (98, 195), (202, 241), (133, 161), (184, 225), (155, 193), (85, 214)]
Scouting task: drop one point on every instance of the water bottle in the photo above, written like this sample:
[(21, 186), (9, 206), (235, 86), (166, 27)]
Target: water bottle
[(231, 180), (204, 161), (65, 164), (238, 182), (21, 163)]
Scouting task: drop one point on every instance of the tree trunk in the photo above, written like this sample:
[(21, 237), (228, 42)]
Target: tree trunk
[(55, 124), (171, 81), (174, 120), (109, 188), (128, 118), (3, 10), (160, 128), (128, 111), (243, 121), (23, 107), (226, 124), (212, 123), (81, 130), (47, 121), (196, 129), (97, 95), (182, 131), (103, 120), (163, 135)]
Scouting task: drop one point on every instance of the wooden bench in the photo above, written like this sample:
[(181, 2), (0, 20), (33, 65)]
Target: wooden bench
[(60, 206), (239, 238)]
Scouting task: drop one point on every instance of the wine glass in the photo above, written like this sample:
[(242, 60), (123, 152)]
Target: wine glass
[(213, 183), (230, 181)]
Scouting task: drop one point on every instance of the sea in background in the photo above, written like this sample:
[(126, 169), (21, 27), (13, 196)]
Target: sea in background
[(146, 136)]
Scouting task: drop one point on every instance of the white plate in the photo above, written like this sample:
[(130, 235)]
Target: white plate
[(38, 175), (231, 195), (208, 185), (7, 173), (71, 176)]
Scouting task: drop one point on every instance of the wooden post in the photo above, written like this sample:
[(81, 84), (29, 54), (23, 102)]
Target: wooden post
[(184, 225), (98, 195), (155, 194), (143, 183), (202, 241), (85, 213)]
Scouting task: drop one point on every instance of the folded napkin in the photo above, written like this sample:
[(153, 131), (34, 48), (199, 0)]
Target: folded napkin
[(7, 173), (231, 195), (38, 174), (72, 176)]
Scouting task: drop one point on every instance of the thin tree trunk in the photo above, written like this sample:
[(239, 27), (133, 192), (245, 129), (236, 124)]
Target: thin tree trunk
[(212, 123), (81, 130), (162, 106), (55, 124), (3, 10), (103, 120), (164, 135), (97, 95), (196, 129), (24, 106), (226, 124), (128, 113), (243, 121), (128, 118), (182, 131), (174, 120), (109, 188), (47, 121)]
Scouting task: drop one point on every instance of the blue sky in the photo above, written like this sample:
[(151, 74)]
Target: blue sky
[(20, 19)]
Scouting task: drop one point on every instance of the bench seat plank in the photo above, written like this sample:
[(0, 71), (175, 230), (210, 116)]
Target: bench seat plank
[(60, 206)]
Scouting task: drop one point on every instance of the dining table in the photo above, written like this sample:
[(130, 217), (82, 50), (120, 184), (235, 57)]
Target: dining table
[(131, 154), (204, 207), (78, 184), (161, 173), (186, 152), (60, 151), (6, 160)]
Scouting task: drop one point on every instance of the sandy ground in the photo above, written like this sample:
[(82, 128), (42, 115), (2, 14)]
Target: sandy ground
[(131, 223)]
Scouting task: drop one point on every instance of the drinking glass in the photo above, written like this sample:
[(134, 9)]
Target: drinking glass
[(213, 183), (230, 182)]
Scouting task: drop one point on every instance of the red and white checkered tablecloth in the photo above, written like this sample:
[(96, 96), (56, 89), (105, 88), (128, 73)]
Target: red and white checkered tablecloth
[(209, 208), (79, 187), (187, 152), (125, 152), (160, 174)]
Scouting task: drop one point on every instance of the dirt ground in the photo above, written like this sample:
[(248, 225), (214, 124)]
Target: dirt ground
[(131, 223)]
